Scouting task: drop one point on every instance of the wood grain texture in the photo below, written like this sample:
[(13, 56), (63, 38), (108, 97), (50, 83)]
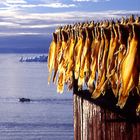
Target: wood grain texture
[(101, 120)]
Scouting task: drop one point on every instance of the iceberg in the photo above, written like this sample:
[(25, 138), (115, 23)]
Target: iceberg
[(41, 58)]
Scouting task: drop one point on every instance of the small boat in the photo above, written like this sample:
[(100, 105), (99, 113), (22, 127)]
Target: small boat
[(24, 100)]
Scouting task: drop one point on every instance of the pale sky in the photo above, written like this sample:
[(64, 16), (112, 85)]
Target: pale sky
[(39, 17)]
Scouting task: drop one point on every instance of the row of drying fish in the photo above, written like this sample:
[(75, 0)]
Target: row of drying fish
[(100, 55)]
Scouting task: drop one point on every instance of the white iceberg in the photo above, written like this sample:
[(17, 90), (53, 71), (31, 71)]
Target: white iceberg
[(41, 58)]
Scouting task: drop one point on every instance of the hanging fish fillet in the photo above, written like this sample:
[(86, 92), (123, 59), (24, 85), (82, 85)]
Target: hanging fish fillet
[(85, 61), (112, 47), (100, 83), (112, 60), (121, 52), (51, 56), (61, 77), (128, 70), (78, 52), (58, 54), (70, 59), (62, 63), (94, 59)]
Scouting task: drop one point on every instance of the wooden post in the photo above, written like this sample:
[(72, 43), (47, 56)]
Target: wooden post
[(100, 119)]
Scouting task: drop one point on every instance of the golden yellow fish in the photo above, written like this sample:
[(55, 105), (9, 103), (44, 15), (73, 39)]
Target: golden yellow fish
[(129, 73), (94, 59), (100, 83), (51, 56)]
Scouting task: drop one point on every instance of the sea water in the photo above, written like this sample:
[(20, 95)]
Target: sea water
[(49, 115)]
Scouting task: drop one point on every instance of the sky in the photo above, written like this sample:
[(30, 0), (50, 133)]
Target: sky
[(36, 18)]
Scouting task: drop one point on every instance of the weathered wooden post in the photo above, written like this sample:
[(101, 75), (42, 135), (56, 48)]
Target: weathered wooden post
[(100, 119), (103, 57)]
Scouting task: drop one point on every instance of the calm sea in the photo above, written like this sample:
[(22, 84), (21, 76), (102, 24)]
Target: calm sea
[(48, 116)]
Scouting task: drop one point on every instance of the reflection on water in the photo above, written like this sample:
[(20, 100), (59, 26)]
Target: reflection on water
[(48, 115)]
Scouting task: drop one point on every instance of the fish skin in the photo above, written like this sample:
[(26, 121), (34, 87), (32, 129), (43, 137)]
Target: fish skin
[(81, 70), (112, 60), (57, 60), (61, 77), (78, 52), (94, 61), (85, 59), (121, 52), (51, 56), (70, 59), (62, 63), (128, 70), (58, 53), (102, 68)]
